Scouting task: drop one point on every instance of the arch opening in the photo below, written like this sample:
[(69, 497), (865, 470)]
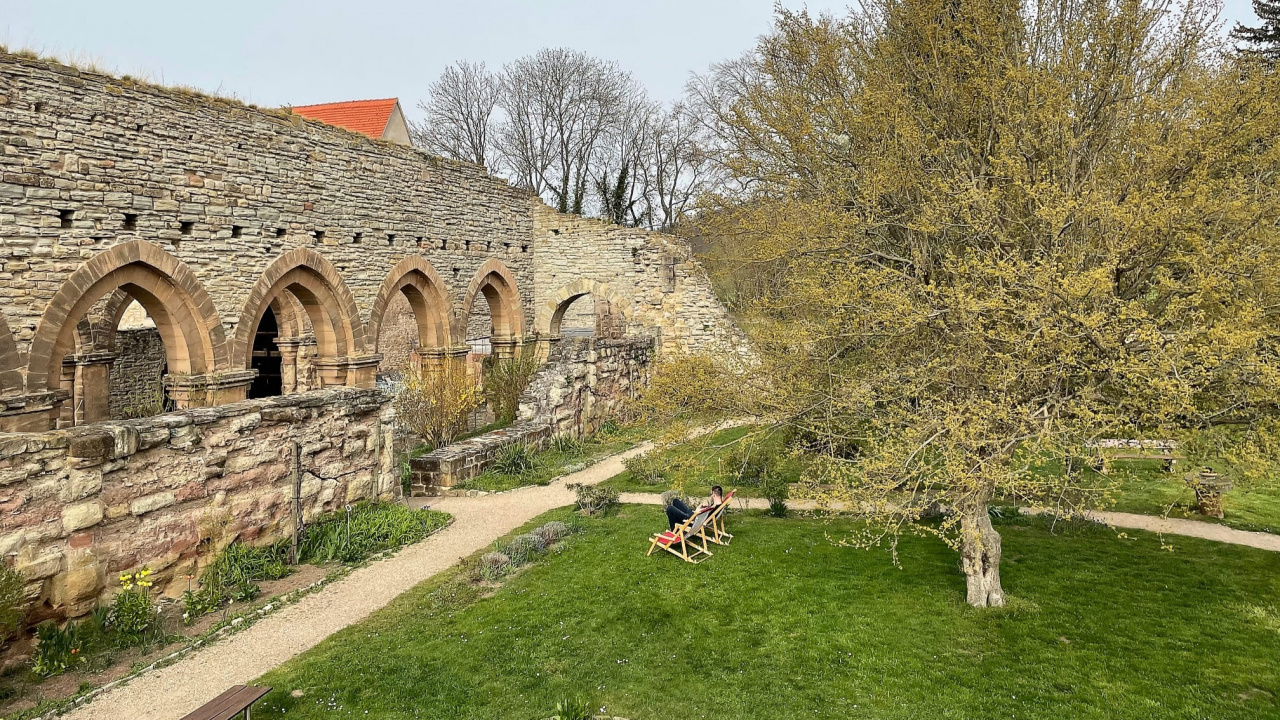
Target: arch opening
[(266, 360)]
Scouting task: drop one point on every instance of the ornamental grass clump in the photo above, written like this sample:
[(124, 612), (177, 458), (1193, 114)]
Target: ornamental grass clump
[(514, 459), (552, 532), (494, 565)]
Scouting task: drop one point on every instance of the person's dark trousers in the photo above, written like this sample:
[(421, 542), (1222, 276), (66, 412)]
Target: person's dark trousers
[(677, 512)]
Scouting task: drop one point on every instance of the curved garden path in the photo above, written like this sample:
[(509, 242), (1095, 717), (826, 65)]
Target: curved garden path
[(171, 692)]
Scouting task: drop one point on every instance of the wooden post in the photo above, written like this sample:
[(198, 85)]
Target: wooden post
[(296, 473)]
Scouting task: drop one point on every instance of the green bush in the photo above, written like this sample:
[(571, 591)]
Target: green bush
[(364, 530), (777, 491), (514, 459), (594, 499), (505, 380), (13, 602), (234, 575), (646, 469)]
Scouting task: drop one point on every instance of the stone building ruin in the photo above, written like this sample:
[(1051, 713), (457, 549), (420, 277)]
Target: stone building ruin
[(271, 269)]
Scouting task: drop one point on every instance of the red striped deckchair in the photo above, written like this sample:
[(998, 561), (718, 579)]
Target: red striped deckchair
[(683, 537)]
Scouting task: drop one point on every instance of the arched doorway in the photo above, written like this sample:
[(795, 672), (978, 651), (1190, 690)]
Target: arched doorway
[(266, 358)]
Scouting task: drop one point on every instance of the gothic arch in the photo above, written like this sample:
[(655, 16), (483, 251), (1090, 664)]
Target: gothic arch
[(173, 297), (552, 312), (414, 278), (498, 286), (318, 288)]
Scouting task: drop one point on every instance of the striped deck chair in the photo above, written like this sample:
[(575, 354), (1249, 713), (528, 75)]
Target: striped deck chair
[(714, 530), (684, 536)]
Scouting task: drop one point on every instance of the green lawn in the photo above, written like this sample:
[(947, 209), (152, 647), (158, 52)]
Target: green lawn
[(696, 466), (783, 624), (1147, 489)]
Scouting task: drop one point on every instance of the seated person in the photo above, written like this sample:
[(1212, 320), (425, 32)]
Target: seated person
[(678, 512)]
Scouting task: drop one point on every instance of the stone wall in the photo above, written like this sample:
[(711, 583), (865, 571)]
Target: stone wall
[(137, 373), (586, 381), (82, 505), (650, 279), (214, 200)]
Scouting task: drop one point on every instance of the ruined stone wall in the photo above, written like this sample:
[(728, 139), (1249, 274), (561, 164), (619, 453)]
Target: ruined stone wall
[(586, 381), (88, 161), (137, 373), (649, 278), (82, 505)]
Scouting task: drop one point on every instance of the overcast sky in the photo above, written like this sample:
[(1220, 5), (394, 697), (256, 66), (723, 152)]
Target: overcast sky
[(297, 52)]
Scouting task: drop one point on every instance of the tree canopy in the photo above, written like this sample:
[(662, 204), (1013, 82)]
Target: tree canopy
[(981, 235)]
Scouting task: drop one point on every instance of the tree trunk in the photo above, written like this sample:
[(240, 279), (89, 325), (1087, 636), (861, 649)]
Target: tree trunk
[(980, 558)]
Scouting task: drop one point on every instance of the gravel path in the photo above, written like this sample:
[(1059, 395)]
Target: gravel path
[(174, 691), (170, 693)]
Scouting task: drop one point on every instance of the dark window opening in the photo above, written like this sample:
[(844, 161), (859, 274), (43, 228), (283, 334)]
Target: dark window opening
[(318, 235), (420, 244), (65, 217), (39, 107), (524, 248), (266, 359), (466, 244), (280, 232), (187, 227), (391, 239), (237, 231), (444, 244), (357, 238), (130, 221)]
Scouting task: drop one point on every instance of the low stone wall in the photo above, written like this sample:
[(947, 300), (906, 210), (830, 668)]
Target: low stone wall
[(82, 505), (585, 381), (464, 460)]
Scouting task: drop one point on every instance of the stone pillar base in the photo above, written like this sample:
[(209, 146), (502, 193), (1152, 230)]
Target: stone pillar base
[(191, 391), (362, 372)]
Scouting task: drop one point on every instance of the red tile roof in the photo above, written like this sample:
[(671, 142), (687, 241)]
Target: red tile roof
[(368, 117)]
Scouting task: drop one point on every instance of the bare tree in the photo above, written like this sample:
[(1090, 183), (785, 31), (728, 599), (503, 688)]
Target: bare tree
[(559, 105), (677, 166), (459, 114)]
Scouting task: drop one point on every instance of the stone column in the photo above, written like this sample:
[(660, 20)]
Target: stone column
[(288, 363), (504, 347), (330, 372), (190, 391), (91, 387), (362, 372)]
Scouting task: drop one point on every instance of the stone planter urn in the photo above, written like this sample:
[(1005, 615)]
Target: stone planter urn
[(1209, 487)]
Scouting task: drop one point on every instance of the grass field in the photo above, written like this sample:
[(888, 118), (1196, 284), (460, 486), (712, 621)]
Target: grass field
[(1149, 490), (783, 624), (695, 467)]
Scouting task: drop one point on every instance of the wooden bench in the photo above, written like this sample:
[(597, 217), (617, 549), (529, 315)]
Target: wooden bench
[(234, 701)]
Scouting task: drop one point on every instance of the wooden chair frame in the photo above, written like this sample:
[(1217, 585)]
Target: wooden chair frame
[(684, 536), (714, 529)]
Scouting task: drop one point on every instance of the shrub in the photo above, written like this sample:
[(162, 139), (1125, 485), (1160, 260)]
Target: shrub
[(494, 565), (568, 445), (505, 380), (609, 428), (646, 469), (593, 499), (777, 491), (552, 532), (514, 459), (529, 542), (751, 465), (13, 602), (234, 575), (436, 400)]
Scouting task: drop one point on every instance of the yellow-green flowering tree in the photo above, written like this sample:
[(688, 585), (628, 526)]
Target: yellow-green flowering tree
[(981, 234)]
